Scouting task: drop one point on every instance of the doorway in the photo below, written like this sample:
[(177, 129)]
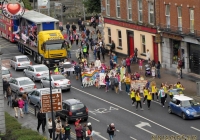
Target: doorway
[(194, 54), (130, 41), (155, 50)]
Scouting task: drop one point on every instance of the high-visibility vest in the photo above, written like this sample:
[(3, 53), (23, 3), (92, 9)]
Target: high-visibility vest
[(149, 96), (56, 70), (153, 89), (85, 49), (178, 85)]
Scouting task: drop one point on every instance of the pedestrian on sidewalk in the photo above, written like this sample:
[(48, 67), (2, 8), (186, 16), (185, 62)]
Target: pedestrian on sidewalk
[(107, 80), (128, 64), (178, 71), (41, 120), (21, 106), (140, 62), (158, 66), (138, 100), (79, 24), (136, 54), (5, 86), (111, 131), (9, 96), (58, 129), (149, 98), (112, 48), (50, 128), (67, 129), (71, 38), (180, 65), (145, 93), (25, 99), (148, 56), (68, 28), (15, 106), (161, 93), (132, 95), (73, 28)]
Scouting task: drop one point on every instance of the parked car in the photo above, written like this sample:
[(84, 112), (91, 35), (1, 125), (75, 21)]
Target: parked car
[(57, 81), (21, 85), (20, 62), (73, 109), (184, 106), (36, 72), (6, 73)]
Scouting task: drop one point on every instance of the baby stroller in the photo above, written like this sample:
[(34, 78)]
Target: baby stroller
[(147, 70)]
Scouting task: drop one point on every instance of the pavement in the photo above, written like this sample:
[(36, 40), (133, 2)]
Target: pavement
[(105, 108)]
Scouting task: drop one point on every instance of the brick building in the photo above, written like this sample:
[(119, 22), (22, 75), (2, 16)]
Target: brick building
[(132, 24), (180, 31)]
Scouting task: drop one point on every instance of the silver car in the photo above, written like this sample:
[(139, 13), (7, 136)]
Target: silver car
[(36, 72), (57, 81), (22, 85), (6, 74), (20, 62)]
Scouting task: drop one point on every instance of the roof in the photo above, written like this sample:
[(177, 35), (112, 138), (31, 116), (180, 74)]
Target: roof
[(182, 98), (37, 17), (21, 78), (21, 56), (39, 65), (72, 101), (42, 89), (4, 68)]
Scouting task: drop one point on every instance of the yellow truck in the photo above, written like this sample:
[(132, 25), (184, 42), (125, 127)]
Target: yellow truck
[(39, 35)]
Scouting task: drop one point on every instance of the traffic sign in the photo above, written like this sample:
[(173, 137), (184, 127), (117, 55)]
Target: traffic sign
[(56, 100)]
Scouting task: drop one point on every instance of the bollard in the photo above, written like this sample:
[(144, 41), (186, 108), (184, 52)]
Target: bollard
[(35, 108)]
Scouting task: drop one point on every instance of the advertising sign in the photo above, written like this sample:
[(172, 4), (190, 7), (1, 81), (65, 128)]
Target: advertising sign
[(43, 4)]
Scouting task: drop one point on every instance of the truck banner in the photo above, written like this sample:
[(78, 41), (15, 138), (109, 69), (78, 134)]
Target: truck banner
[(138, 84)]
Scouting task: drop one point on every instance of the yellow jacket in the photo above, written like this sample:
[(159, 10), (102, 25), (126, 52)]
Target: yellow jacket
[(149, 96), (153, 89), (132, 95), (137, 97), (146, 92)]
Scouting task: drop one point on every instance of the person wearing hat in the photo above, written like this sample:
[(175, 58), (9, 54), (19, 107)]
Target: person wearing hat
[(111, 131)]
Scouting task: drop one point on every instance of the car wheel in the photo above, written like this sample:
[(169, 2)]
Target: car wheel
[(183, 116), (38, 105), (33, 78), (169, 110), (42, 86)]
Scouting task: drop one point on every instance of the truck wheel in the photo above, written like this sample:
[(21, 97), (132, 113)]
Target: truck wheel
[(35, 58)]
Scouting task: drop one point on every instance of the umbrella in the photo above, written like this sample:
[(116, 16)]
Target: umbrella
[(67, 65)]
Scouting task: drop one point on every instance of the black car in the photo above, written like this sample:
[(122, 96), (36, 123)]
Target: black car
[(73, 109)]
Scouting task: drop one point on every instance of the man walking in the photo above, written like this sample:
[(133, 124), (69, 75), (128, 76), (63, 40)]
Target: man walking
[(67, 129), (111, 131), (41, 120), (68, 28), (5, 86)]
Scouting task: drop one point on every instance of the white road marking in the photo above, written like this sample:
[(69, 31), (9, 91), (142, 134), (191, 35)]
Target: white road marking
[(142, 124), (94, 119), (127, 111), (117, 130), (195, 129), (98, 134), (133, 138)]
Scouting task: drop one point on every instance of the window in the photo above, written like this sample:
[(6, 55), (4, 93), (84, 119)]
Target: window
[(143, 44), (129, 9), (191, 20), (119, 38), (151, 12), (179, 11), (167, 14), (109, 36), (108, 7), (118, 8), (140, 10)]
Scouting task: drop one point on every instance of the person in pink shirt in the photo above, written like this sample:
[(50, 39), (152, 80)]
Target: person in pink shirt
[(140, 62), (128, 64), (21, 106)]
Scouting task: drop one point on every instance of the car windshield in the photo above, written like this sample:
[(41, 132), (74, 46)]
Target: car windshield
[(58, 77), (189, 103), (57, 46), (77, 106), (38, 69), (176, 91), (4, 72), (25, 82), (23, 59)]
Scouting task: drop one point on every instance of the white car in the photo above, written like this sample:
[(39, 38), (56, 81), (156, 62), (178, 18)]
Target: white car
[(20, 62), (36, 72), (6, 74)]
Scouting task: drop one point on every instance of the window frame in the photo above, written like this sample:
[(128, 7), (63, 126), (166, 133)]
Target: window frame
[(129, 10), (119, 38), (167, 17), (143, 44), (140, 11), (179, 16), (118, 10), (108, 7), (109, 36), (151, 13), (191, 19)]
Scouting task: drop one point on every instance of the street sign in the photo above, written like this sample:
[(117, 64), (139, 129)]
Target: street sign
[(56, 100)]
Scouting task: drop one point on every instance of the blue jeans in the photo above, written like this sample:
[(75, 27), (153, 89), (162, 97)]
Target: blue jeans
[(25, 107), (69, 54), (127, 88), (158, 73), (68, 32), (107, 85), (67, 137), (129, 69), (9, 100), (111, 137)]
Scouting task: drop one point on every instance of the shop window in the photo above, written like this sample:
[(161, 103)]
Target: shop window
[(119, 38), (118, 8), (108, 7), (109, 36), (140, 7), (143, 43), (176, 51), (167, 14), (129, 9)]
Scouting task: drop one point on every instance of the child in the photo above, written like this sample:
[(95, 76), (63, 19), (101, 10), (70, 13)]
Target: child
[(145, 93), (153, 72), (132, 96), (140, 62)]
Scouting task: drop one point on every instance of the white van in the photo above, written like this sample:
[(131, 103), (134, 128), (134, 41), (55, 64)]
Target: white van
[(6, 73)]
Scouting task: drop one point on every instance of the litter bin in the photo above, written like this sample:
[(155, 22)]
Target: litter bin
[(164, 65), (198, 88)]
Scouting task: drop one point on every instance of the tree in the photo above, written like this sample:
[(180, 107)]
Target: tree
[(27, 4), (93, 6)]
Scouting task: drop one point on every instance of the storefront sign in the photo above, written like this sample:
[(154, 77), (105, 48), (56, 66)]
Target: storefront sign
[(129, 25), (158, 38), (172, 36)]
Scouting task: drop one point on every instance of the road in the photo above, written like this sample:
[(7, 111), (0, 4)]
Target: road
[(105, 108)]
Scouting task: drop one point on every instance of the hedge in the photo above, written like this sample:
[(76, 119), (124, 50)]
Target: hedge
[(14, 131)]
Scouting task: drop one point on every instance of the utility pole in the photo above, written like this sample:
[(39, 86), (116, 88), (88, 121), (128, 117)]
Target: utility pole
[(61, 14), (83, 10)]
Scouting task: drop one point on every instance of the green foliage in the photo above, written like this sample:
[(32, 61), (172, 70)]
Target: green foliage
[(93, 6), (14, 131), (27, 4)]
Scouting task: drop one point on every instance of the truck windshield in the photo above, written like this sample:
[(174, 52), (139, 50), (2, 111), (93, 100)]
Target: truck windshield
[(54, 46)]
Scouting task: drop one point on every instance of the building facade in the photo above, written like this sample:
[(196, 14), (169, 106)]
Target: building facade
[(132, 24), (180, 31)]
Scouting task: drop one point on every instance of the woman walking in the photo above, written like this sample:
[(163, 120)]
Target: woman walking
[(58, 129), (107, 80), (132, 95), (162, 96), (138, 100), (25, 99), (21, 106), (9, 96), (154, 90), (50, 126), (15, 106), (145, 93), (127, 81), (149, 98)]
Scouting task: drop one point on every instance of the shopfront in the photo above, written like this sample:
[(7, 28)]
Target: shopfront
[(194, 58)]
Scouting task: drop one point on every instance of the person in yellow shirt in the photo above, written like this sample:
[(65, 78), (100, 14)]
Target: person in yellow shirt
[(170, 92), (127, 81), (132, 96), (165, 87), (149, 98), (145, 93), (138, 100), (178, 84), (154, 90), (182, 89)]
